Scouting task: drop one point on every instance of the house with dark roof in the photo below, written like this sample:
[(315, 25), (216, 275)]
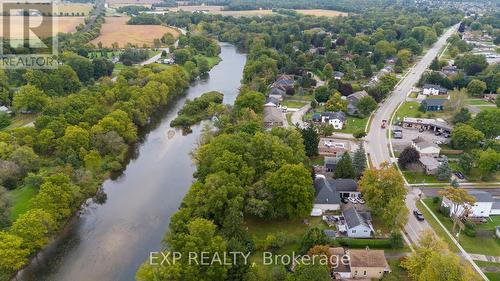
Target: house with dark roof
[(272, 101), (354, 99), (284, 84), (433, 89), (358, 223), (345, 187), (433, 104), (338, 75), (327, 198), (484, 207)]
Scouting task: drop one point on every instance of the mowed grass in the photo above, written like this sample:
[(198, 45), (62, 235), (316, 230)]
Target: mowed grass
[(21, 120), (475, 245), (478, 102), (408, 109), (418, 177), (115, 29), (20, 198), (293, 104), (354, 124)]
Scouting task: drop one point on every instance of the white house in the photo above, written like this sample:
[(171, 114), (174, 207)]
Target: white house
[(482, 207), (327, 197), (433, 90), (426, 148), (358, 225), (336, 119)]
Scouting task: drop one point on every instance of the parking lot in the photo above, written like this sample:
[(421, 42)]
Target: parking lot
[(409, 134)]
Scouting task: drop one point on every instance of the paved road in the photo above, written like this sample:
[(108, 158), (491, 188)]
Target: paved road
[(297, 116), (377, 142)]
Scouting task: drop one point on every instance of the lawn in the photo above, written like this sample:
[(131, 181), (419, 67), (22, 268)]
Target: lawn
[(354, 124), (20, 120), (289, 119), (477, 102), (418, 177), (212, 61), (293, 104), (474, 245), (317, 160), (408, 109), (20, 200)]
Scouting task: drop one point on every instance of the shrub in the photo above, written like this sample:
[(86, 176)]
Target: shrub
[(436, 199), (470, 229), (396, 240), (363, 243), (359, 134)]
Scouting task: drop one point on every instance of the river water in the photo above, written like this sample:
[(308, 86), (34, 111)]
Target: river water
[(110, 241)]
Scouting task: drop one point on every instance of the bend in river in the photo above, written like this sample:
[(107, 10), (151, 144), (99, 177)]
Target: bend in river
[(110, 241)]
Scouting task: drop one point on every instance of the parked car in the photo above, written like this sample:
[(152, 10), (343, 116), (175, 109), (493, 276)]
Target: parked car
[(352, 200), (344, 200), (446, 135), (438, 133), (421, 130), (418, 215), (360, 200), (439, 142), (459, 175)]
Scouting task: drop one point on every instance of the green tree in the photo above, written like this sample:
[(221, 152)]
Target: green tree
[(314, 236), (344, 169), (435, 64), (291, 187), (12, 255), (4, 120), (366, 105), (476, 88), (488, 162), (444, 171), (328, 71), (466, 163), (466, 137), (34, 227), (463, 116), (359, 161), (29, 98), (336, 103), (313, 272), (384, 193), (203, 65), (250, 99), (92, 161), (322, 94), (311, 140), (488, 122), (5, 204)]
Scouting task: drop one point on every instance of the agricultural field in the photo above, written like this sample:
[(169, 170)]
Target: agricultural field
[(249, 13), (73, 9), (115, 29), (63, 24), (322, 13)]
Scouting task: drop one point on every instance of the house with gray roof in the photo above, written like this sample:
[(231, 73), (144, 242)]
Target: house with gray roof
[(354, 99), (433, 104), (273, 117), (484, 206), (327, 198), (358, 223)]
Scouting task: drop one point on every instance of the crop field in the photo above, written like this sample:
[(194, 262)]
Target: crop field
[(322, 13), (62, 24), (73, 9), (249, 13), (115, 29)]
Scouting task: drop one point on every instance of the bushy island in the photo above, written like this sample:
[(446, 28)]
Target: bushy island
[(198, 109)]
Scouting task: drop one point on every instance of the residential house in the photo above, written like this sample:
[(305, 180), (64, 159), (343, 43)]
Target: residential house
[(282, 83), (353, 99), (338, 75), (490, 97), (433, 104), (357, 264), (345, 187), (358, 223), (326, 198), (273, 102), (433, 90), (368, 263), (484, 207), (336, 119), (273, 117), (427, 124), (426, 148), (429, 164), (5, 109), (334, 147), (449, 70), (330, 163)]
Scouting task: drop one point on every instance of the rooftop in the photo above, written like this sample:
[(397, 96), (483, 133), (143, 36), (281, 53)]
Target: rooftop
[(325, 193), (367, 258)]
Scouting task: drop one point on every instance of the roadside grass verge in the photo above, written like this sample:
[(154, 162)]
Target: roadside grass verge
[(418, 177), (436, 227)]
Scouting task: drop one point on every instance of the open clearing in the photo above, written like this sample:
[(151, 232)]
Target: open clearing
[(322, 13), (63, 24), (73, 9), (115, 29)]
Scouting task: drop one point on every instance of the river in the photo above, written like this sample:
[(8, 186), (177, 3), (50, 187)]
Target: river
[(110, 241)]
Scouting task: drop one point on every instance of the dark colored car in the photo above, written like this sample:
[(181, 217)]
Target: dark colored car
[(420, 130), (344, 200), (446, 135), (418, 215), (438, 133), (459, 175)]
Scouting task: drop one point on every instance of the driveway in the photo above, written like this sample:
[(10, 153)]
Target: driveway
[(297, 116)]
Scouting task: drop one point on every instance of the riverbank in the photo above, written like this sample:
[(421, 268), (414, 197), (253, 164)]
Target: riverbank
[(115, 237)]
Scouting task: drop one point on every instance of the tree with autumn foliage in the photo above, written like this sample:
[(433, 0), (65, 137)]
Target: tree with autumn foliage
[(384, 192), (461, 203)]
